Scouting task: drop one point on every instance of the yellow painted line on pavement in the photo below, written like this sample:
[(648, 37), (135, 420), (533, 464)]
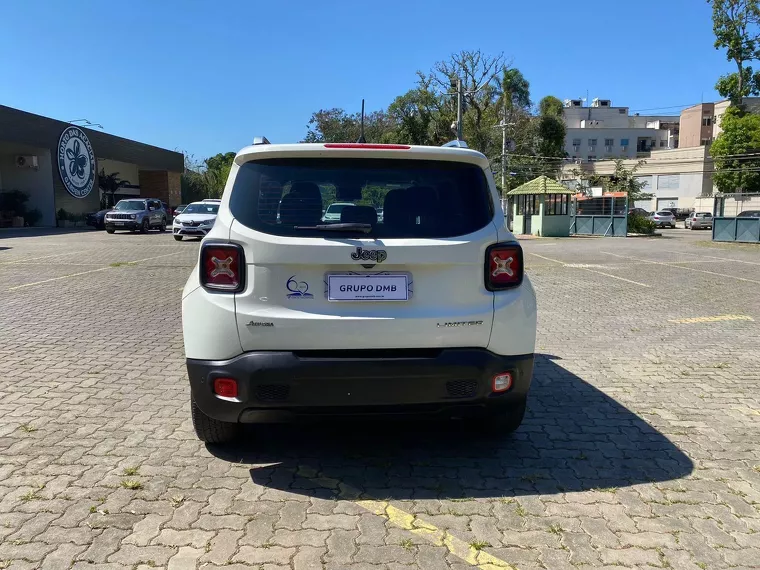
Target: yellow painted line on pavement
[(25, 285), (671, 264), (36, 258), (410, 522), (714, 319), (576, 266)]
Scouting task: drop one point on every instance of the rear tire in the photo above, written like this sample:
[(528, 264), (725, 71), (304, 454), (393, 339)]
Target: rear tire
[(210, 430), (177, 238), (110, 231), (162, 227), (145, 228)]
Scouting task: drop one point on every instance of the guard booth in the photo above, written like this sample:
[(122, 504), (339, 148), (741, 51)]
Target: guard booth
[(541, 207)]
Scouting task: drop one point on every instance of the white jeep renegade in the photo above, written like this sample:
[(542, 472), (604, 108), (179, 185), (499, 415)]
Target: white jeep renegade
[(290, 314)]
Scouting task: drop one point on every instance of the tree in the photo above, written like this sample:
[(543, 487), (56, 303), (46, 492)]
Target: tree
[(736, 24), (740, 135), (551, 129), (624, 180), (110, 184), (335, 125)]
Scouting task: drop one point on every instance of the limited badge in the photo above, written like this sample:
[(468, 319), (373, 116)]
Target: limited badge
[(76, 162)]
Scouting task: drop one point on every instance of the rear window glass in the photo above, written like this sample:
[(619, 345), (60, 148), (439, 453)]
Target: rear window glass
[(368, 197), (665, 213), (702, 215)]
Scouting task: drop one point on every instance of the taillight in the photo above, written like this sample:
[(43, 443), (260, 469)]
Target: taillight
[(504, 266), (225, 387), (222, 267)]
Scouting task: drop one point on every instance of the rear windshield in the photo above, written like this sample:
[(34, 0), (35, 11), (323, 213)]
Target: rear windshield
[(665, 213), (702, 215), (385, 198)]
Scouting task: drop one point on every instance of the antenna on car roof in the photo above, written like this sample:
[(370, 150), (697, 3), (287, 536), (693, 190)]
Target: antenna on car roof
[(361, 136)]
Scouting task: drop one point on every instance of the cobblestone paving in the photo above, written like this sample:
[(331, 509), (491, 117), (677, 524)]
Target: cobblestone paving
[(641, 447)]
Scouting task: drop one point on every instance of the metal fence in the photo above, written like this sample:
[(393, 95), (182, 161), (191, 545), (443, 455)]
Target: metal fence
[(736, 217), (599, 216)]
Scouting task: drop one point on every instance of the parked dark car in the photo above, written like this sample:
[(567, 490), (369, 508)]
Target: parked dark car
[(638, 212), (749, 214), (137, 214), (178, 210), (98, 219)]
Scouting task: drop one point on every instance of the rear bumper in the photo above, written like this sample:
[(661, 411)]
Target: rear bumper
[(279, 386)]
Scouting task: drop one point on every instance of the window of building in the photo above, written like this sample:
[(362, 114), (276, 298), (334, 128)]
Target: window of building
[(622, 111), (556, 204), (576, 142), (706, 121), (704, 142), (623, 142), (663, 143), (591, 157), (668, 181), (609, 142), (591, 142)]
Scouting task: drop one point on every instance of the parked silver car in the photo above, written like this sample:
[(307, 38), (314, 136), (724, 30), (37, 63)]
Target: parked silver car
[(663, 218), (699, 221)]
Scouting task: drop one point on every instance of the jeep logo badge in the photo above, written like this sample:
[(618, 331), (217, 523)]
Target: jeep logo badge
[(378, 255)]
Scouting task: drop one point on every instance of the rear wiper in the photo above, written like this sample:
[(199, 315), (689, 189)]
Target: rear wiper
[(349, 227)]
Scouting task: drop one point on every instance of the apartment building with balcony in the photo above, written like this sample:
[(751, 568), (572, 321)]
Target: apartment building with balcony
[(601, 131)]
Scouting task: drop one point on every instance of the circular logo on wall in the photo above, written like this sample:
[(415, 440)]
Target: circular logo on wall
[(76, 162)]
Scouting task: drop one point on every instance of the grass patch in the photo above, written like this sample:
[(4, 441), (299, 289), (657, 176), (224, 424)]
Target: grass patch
[(27, 428), (131, 471), (521, 512), (461, 500), (407, 543), (479, 545), (556, 529), (605, 489), (721, 365), (757, 468), (33, 495), (5, 564), (268, 545), (177, 500), (121, 264), (93, 509), (702, 565), (132, 484)]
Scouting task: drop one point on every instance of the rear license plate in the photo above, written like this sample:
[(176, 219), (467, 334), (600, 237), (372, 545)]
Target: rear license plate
[(368, 287)]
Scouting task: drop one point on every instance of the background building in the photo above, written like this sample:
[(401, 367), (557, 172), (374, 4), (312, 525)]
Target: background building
[(675, 177), (601, 131), (36, 150)]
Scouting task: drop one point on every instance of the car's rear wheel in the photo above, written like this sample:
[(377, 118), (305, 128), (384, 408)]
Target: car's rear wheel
[(110, 231), (145, 226), (178, 238), (162, 227), (210, 430)]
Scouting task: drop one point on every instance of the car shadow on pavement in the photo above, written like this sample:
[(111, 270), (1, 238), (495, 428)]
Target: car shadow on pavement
[(574, 438)]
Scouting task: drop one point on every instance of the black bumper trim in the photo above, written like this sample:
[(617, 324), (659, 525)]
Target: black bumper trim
[(281, 385)]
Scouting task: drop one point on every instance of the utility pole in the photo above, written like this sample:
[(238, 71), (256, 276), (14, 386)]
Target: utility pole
[(460, 97), (504, 149)]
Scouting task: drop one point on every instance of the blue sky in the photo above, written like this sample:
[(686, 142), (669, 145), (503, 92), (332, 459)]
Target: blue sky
[(207, 77)]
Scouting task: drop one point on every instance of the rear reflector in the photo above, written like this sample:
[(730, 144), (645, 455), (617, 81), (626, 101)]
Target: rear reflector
[(225, 387), (368, 146), (222, 267), (503, 266), (502, 382)]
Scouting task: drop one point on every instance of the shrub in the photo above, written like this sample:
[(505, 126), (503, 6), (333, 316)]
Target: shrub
[(13, 202), (32, 217), (62, 215), (638, 224)]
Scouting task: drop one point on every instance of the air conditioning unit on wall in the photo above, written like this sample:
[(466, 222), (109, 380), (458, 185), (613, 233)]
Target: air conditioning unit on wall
[(27, 162)]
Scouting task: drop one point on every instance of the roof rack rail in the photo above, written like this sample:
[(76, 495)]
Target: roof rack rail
[(456, 144), (260, 140)]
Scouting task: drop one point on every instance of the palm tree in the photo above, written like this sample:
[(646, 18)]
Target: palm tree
[(109, 184)]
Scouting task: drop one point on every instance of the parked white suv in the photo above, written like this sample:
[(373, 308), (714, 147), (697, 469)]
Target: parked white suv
[(427, 312)]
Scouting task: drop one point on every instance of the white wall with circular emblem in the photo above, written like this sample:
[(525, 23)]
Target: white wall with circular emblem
[(76, 162)]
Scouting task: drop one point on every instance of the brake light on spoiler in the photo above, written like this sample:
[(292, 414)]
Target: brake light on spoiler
[(367, 146)]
